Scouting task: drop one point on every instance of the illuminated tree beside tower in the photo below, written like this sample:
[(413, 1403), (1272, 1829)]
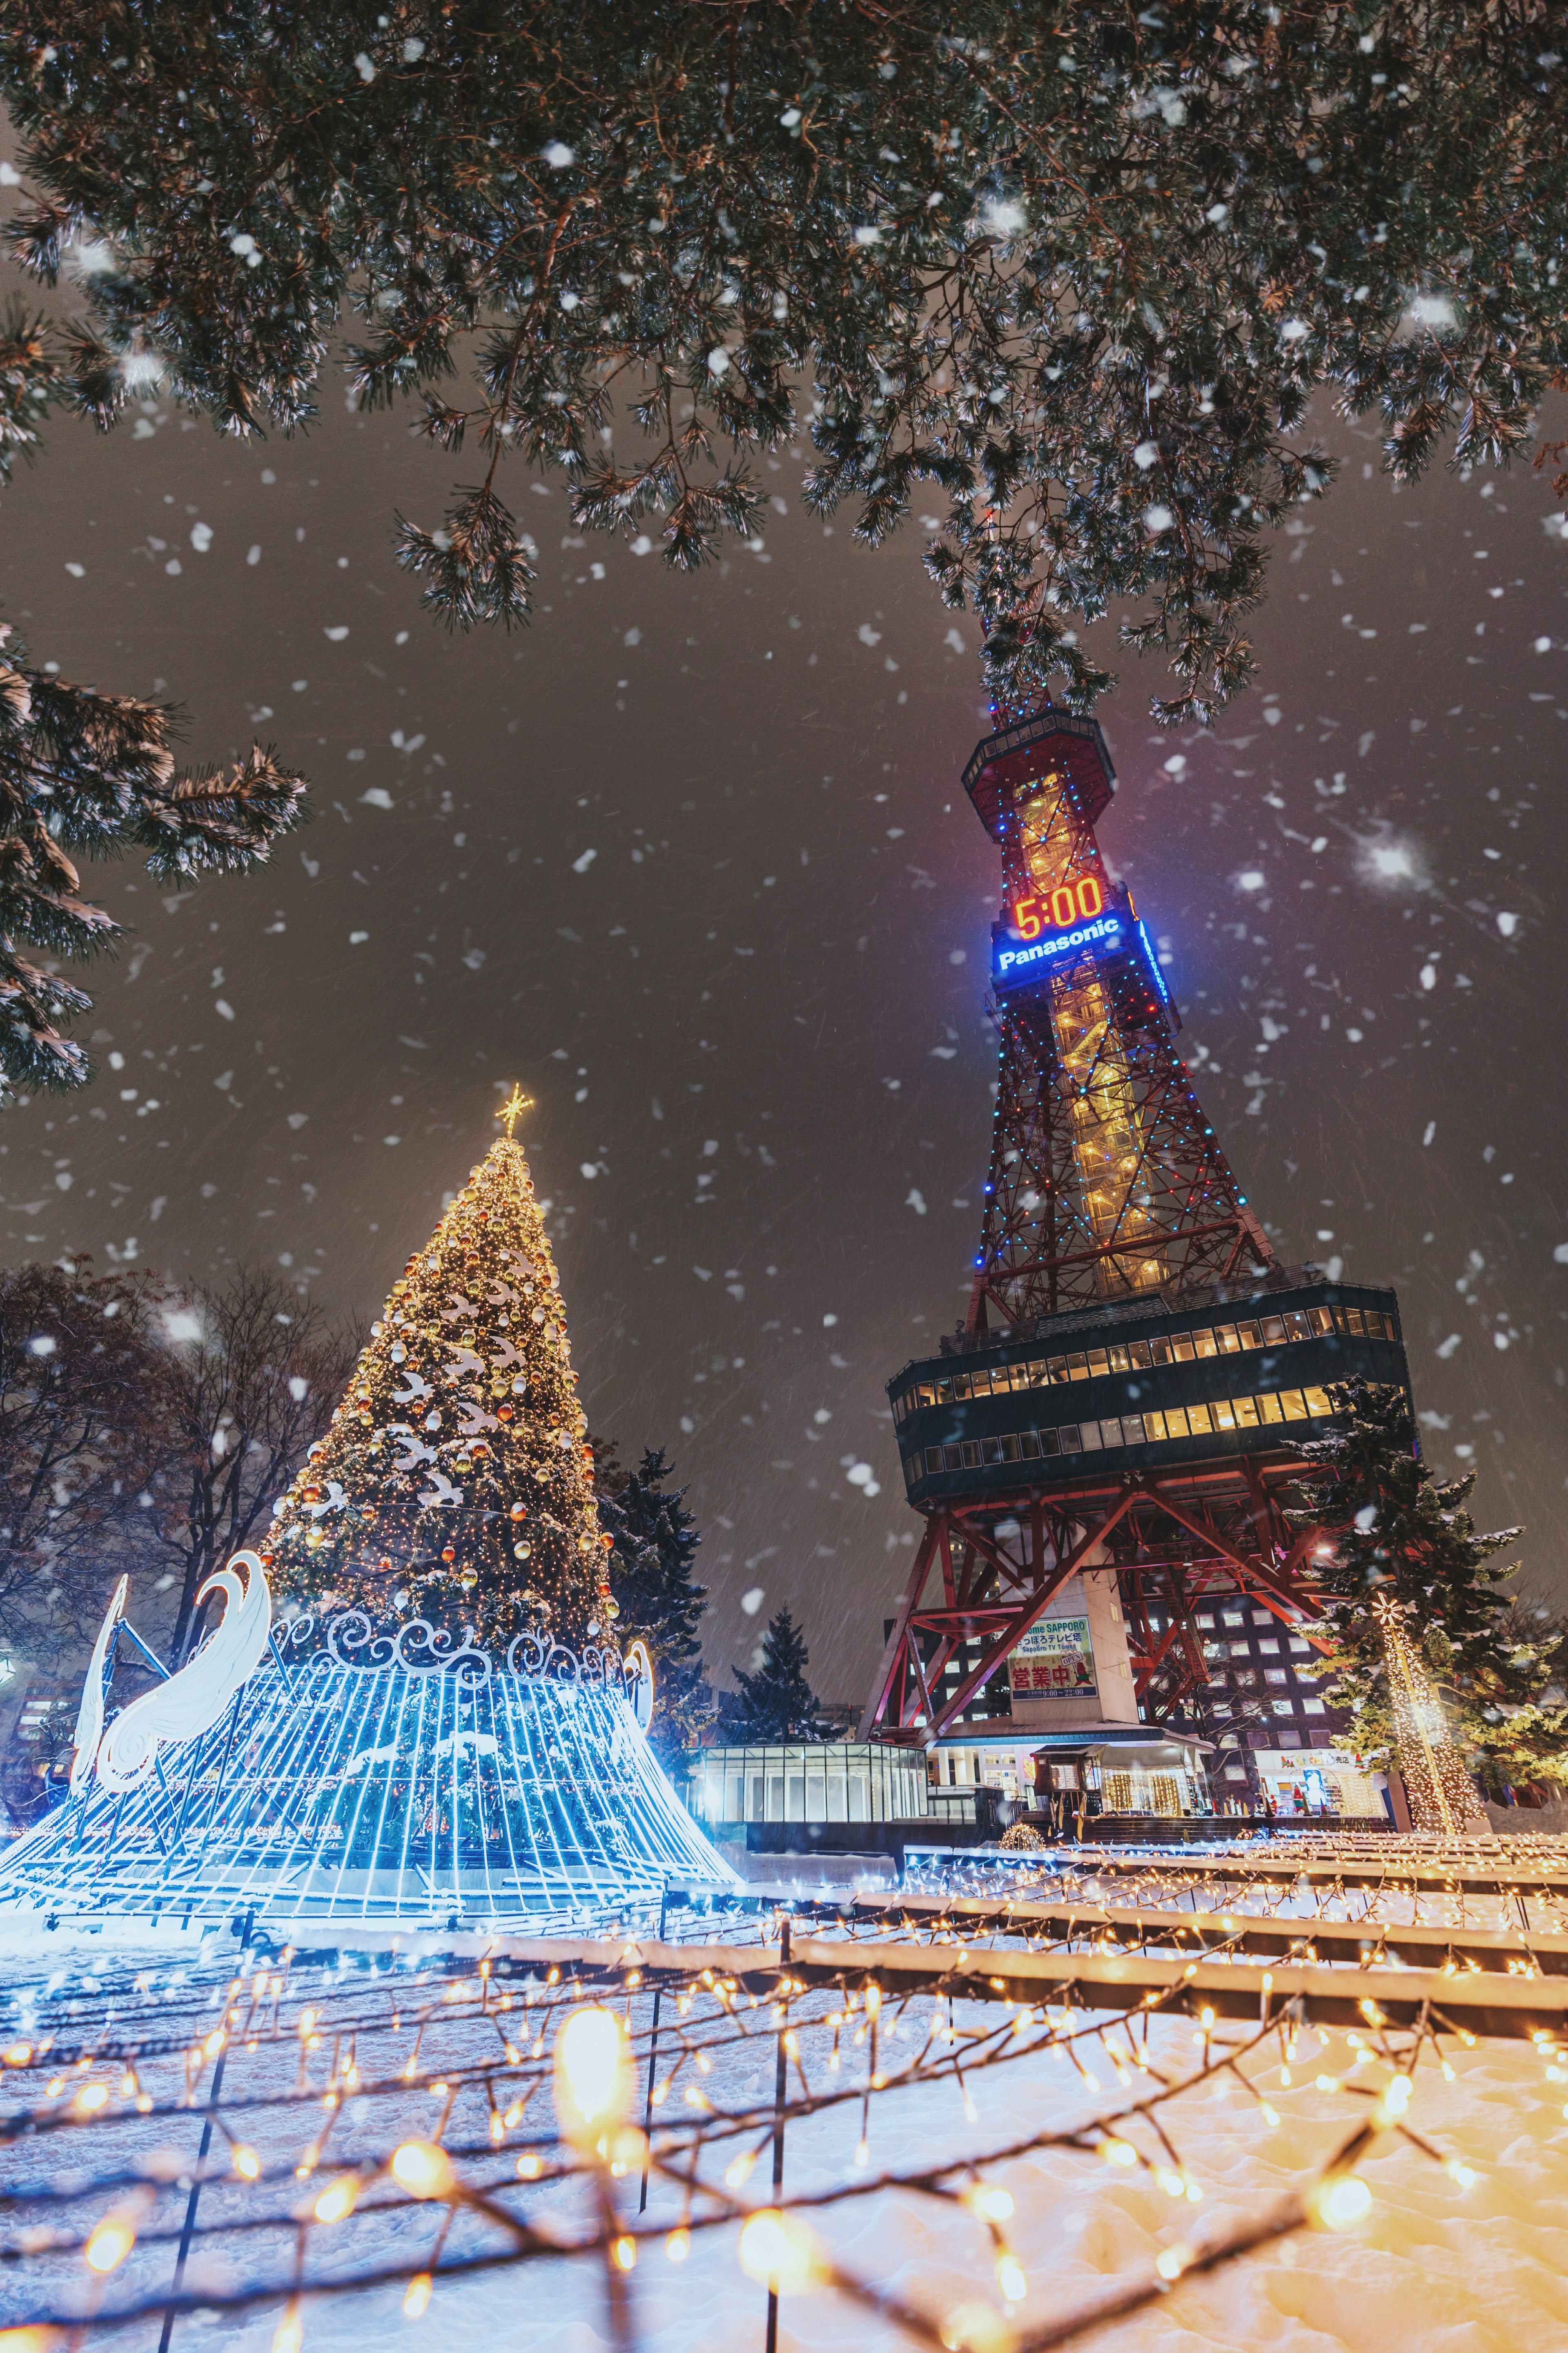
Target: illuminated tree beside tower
[(455, 1484), (1408, 1590)]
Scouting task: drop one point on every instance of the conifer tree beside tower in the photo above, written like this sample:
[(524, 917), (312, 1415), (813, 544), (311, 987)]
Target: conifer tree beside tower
[(1402, 1536), (653, 1543), (455, 1482)]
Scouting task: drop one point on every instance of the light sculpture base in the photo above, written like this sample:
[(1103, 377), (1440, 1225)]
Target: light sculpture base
[(389, 1778)]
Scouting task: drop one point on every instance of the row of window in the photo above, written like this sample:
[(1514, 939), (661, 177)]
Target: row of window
[(1127, 1429), (1205, 1621), (1242, 1650), (833, 1782), (1133, 1355)]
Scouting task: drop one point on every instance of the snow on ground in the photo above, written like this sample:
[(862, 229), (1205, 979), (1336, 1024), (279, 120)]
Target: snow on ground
[(1483, 2270), (1435, 2265)]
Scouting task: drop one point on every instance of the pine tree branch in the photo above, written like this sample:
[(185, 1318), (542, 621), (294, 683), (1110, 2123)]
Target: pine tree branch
[(1076, 281)]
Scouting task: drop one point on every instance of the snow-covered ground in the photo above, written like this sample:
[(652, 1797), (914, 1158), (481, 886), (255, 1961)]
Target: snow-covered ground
[(1482, 2270), (1435, 2265)]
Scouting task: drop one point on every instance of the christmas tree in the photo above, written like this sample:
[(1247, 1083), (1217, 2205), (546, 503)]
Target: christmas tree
[(653, 1545), (1399, 1531), (777, 1702), (454, 1483)]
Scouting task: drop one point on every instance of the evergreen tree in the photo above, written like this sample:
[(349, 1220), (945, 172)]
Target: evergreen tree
[(777, 1702), (654, 1546), (83, 773), (1394, 1525), (454, 1483), (1072, 278)]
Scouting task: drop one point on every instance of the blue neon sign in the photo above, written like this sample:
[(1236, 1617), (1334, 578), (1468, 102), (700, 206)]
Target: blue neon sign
[(1017, 960)]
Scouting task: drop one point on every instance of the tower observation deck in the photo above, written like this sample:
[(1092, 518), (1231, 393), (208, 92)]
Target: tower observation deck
[(1119, 1401)]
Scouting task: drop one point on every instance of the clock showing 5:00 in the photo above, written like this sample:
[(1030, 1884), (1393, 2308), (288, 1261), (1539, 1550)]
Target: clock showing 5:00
[(1069, 903)]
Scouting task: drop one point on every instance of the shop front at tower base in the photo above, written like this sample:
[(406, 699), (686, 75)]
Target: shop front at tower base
[(1088, 1769), (1313, 1782)]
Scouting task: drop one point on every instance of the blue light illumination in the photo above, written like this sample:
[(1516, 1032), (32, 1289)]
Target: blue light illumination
[(1019, 962), (384, 1778), (1154, 961)]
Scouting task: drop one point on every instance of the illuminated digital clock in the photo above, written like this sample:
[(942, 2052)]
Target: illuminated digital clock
[(1070, 902), (1078, 916)]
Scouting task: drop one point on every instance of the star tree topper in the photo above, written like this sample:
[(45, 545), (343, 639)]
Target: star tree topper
[(512, 1111)]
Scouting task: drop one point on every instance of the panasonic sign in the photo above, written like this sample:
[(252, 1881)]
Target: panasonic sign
[(1016, 959)]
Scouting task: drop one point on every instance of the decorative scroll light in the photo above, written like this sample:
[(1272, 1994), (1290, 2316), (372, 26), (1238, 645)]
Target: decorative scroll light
[(1442, 1795)]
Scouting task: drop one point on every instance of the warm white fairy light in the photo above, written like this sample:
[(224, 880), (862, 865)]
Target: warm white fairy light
[(1441, 1794), (779, 2251), (423, 2169), (110, 2242), (361, 2031)]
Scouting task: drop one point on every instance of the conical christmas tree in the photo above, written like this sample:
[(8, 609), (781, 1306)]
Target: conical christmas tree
[(455, 1484), (483, 1757)]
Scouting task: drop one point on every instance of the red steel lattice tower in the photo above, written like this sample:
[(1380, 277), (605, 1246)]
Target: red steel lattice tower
[(1116, 1403), (1105, 1178)]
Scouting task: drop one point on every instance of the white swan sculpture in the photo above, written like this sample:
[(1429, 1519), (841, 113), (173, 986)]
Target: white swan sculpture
[(187, 1703)]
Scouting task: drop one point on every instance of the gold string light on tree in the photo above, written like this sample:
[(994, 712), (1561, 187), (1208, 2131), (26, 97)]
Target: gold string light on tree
[(455, 1482), (1441, 1794)]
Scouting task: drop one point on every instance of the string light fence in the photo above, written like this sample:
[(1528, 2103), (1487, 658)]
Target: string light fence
[(423, 2110)]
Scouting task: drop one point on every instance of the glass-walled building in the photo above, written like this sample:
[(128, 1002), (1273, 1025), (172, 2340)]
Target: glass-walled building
[(827, 1781)]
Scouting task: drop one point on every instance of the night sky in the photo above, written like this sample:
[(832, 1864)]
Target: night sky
[(690, 859)]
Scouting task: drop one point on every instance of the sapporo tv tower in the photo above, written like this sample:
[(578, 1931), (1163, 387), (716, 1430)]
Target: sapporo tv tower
[(1134, 1359)]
